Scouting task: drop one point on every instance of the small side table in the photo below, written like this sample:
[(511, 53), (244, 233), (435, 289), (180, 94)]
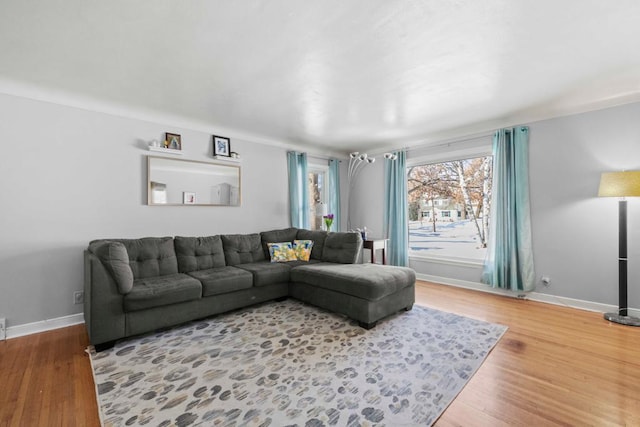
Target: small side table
[(374, 244)]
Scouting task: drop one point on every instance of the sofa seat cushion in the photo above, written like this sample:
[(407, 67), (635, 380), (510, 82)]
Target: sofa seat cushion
[(267, 273), (162, 290), (298, 263), (216, 281), (367, 281)]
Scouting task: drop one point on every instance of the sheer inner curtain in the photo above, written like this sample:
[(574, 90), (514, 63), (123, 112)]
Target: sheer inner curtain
[(333, 192), (395, 222), (509, 260), (298, 192)]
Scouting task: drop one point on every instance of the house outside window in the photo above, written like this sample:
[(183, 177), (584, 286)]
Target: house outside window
[(449, 208)]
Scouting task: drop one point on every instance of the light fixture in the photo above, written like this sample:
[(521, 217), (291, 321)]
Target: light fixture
[(621, 184)]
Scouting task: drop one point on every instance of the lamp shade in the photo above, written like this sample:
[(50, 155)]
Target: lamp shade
[(620, 184)]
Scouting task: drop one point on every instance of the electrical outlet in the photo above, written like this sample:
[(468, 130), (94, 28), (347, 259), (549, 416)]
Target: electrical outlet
[(546, 280), (3, 329), (78, 297)]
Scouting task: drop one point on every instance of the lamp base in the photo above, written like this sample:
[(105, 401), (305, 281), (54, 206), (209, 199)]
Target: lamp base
[(623, 320)]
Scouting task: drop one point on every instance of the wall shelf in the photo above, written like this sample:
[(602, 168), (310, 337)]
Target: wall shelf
[(227, 159), (166, 150)]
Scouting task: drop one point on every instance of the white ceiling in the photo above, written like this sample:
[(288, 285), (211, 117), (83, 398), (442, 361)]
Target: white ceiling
[(334, 75)]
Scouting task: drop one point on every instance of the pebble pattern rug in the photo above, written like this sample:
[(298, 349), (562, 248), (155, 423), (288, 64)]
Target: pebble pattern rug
[(291, 364)]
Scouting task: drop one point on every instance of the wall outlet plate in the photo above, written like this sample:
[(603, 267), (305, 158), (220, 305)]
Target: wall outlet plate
[(78, 297), (3, 328)]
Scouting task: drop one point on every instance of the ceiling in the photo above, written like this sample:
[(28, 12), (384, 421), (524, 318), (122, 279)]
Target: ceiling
[(330, 75)]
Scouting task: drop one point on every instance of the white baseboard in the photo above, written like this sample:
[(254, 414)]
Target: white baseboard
[(532, 296), (74, 319), (44, 325)]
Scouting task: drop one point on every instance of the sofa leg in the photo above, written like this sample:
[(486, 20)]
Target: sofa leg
[(408, 308), (367, 326), (104, 346)]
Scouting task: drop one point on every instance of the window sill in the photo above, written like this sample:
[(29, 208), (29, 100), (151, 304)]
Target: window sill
[(449, 260)]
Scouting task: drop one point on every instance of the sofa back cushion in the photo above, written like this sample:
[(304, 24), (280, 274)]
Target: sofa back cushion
[(115, 258), (277, 236), (318, 237), (199, 253), (343, 248), (150, 256), (242, 248)]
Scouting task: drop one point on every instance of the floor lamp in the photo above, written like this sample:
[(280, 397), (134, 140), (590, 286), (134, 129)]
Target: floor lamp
[(621, 184)]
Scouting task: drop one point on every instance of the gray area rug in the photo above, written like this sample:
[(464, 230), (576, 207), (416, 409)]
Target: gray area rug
[(291, 364)]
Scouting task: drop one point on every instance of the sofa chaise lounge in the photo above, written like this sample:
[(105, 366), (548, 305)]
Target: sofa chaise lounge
[(134, 286)]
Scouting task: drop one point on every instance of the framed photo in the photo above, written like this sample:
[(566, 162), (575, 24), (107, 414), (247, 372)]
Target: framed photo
[(188, 198), (221, 146), (173, 141)]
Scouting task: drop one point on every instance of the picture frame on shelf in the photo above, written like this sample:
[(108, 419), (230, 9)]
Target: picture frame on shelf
[(173, 141), (188, 198), (221, 146)]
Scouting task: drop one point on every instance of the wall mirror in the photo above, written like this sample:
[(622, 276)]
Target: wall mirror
[(189, 182)]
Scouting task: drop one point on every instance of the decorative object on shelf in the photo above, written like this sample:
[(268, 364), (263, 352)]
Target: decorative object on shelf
[(173, 141), (621, 184), (221, 146), (235, 155), (188, 198), (364, 232), (328, 221), (356, 162)]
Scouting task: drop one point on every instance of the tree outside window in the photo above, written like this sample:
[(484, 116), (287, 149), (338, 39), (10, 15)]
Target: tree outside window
[(449, 208)]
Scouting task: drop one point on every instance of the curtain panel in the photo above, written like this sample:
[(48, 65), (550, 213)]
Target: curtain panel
[(395, 222), (509, 260), (298, 191), (333, 192)]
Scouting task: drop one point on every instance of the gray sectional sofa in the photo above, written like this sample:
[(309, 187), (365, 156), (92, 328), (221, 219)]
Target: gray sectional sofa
[(133, 286)]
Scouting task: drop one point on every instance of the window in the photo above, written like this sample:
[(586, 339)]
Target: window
[(449, 208), (317, 179)]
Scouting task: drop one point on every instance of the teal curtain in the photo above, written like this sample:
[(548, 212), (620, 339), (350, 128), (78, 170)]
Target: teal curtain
[(333, 192), (298, 191), (509, 261), (396, 226)]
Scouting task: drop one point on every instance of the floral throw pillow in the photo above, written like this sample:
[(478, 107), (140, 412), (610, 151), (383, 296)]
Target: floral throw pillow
[(281, 252), (302, 249)]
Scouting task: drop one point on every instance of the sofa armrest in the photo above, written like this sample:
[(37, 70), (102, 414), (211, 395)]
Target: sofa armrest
[(103, 303)]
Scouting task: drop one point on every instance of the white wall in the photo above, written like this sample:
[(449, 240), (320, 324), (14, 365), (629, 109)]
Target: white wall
[(68, 176), (575, 233), (367, 198)]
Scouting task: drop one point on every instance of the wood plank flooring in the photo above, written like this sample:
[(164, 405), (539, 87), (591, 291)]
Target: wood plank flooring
[(554, 366)]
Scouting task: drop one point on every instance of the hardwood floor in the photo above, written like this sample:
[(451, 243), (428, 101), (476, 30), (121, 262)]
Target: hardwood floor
[(554, 366)]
